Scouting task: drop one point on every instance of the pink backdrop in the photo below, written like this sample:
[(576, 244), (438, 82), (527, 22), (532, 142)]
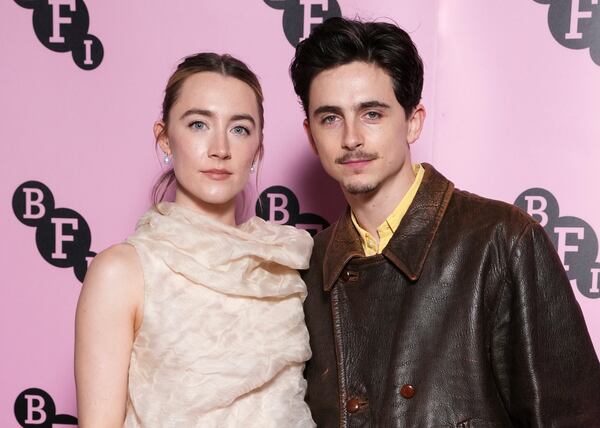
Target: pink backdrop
[(510, 108)]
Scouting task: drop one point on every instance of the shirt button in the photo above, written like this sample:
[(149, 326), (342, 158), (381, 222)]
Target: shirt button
[(371, 243), (353, 405), (407, 391)]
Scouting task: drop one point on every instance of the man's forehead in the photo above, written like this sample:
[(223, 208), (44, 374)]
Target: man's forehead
[(350, 85)]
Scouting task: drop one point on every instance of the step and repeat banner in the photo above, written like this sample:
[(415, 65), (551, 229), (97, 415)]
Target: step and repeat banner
[(511, 89)]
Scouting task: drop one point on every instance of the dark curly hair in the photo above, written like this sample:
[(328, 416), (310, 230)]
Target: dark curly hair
[(340, 41)]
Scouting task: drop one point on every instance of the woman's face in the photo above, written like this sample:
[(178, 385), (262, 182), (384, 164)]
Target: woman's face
[(213, 136)]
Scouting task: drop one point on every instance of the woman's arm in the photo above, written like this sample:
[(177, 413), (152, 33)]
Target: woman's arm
[(108, 315)]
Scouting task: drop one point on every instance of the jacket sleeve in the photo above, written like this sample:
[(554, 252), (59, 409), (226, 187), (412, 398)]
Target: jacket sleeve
[(543, 359)]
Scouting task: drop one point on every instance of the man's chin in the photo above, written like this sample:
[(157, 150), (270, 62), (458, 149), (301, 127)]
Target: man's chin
[(359, 188)]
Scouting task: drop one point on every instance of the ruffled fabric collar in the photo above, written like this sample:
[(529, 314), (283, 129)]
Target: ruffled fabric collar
[(255, 259)]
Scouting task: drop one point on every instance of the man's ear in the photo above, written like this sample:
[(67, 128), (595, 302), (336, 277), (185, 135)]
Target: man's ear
[(415, 123), (311, 140), (160, 135)]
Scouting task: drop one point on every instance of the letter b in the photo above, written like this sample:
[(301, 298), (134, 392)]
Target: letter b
[(536, 205), (32, 203), (275, 208), (35, 409)]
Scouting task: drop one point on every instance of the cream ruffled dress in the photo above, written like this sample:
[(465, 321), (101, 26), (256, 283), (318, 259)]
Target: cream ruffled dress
[(223, 340)]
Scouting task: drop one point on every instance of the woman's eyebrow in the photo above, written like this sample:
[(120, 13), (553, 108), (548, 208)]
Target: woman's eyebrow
[(197, 111)]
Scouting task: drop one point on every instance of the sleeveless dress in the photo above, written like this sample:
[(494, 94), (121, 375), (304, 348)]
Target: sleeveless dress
[(223, 340)]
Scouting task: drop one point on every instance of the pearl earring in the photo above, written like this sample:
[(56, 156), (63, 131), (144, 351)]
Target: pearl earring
[(252, 167), (167, 159)]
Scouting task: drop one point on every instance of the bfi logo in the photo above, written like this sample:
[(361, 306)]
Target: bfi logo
[(574, 24), (34, 407), (279, 205), (574, 239), (62, 235), (577, 14), (299, 16), (62, 26)]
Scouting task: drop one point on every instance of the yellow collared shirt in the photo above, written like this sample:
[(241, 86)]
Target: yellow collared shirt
[(389, 226)]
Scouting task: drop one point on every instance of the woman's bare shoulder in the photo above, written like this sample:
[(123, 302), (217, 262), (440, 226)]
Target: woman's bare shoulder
[(116, 270), (116, 262)]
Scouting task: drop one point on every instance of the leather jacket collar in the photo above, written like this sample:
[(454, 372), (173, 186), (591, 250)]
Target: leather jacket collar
[(409, 246)]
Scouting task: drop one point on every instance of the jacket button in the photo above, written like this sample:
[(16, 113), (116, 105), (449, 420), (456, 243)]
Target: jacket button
[(353, 405), (407, 391), (349, 275)]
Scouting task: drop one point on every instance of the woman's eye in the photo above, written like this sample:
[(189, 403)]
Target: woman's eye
[(197, 125), (240, 130)]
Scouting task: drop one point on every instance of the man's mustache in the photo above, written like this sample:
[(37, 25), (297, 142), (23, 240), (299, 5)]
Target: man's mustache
[(356, 156)]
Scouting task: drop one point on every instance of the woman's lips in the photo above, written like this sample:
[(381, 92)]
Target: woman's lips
[(217, 174)]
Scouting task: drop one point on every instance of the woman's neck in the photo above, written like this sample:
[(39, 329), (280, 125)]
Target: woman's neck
[(225, 213)]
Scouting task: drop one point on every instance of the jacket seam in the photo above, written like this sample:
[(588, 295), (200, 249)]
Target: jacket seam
[(339, 356), (507, 279), (439, 215)]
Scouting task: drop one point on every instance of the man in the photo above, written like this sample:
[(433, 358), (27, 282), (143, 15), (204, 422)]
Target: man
[(428, 306)]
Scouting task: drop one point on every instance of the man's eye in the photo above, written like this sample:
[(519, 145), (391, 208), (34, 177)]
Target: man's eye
[(373, 115), (327, 120), (197, 125), (240, 130)]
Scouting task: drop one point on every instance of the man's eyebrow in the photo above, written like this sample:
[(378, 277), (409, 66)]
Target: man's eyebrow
[(372, 104), (358, 107), (327, 109), (209, 113)]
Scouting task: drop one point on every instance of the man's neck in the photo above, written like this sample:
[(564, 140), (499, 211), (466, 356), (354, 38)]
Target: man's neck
[(373, 208)]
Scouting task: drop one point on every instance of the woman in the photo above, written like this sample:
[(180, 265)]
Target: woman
[(195, 321)]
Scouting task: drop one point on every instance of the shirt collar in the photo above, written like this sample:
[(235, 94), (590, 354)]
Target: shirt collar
[(386, 229), (411, 241)]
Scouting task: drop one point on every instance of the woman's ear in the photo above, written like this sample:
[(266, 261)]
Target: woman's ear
[(160, 135)]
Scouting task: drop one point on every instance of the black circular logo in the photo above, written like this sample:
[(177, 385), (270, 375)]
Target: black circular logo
[(574, 239), (34, 407), (89, 53), (32, 202), (575, 24), (279, 205), (62, 26), (62, 235), (300, 16)]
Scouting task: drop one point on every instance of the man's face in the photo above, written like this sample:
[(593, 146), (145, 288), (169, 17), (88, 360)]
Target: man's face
[(359, 130)]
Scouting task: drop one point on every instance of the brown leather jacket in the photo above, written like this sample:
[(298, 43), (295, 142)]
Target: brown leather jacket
[(467, 319)]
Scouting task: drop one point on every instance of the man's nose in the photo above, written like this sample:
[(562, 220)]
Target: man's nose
[(353, 137)]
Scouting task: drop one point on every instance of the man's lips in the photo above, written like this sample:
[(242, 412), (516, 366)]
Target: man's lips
[(355, 162), (217, 174)]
